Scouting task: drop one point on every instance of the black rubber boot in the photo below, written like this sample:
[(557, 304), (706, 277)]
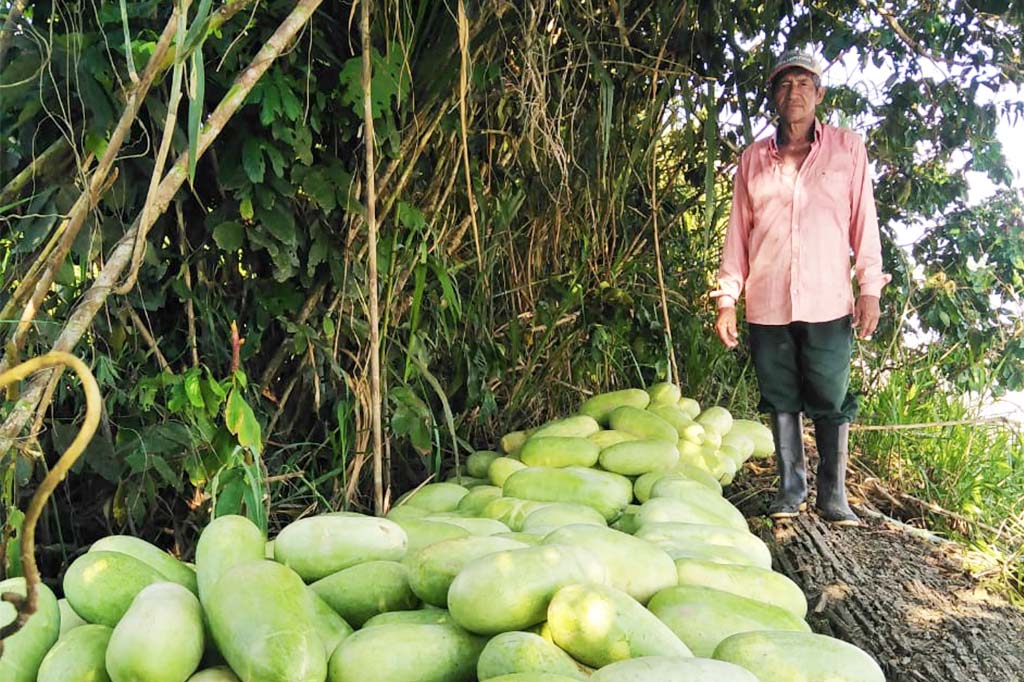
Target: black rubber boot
[(789, 458), (832, 440)]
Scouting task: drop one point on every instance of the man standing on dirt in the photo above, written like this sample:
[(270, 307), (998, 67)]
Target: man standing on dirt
[(802, 203)]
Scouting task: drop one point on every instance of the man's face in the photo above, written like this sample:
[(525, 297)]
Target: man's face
[(795, 95)]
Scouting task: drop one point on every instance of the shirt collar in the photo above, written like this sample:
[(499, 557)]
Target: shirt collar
[(819, 130)]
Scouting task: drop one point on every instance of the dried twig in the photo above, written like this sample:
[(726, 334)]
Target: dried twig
[(655, 208), (979, 421), (463, 93), (284, 477), (190, 310), (936, 509), (372, 286), (140, 326)]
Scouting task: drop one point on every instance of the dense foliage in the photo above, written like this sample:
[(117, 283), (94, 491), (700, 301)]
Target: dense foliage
[(533, 188)]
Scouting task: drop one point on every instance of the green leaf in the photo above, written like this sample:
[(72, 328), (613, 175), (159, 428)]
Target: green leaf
[(276, 159), (270, 106), (412, 418), (178, 401), (66, 274), (245, 208), (266, 241), (300, 341), (12, 554), (197, 92), (241, 421), (96, 101), (23, 468), (231, 489), (388, 81), (280, 222), (165, 471), (228, 235), (197, 31), (214, 386), (318, 253), (95, 144), (127, 37), (254, 494), (170, 437), (193, 390), (252, 160), (142, 50), (450, 297), (302, 145), (290, 103), (410, 217), (109, 13), (286, 264), (320, 188), (328, 325)]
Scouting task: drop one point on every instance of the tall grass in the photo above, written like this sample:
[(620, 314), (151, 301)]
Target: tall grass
[(973, 471)]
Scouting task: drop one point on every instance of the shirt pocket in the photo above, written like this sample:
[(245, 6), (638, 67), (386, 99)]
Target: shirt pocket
[(835, 189), (836, 182)]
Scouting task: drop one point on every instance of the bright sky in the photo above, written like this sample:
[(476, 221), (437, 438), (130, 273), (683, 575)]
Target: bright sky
[(871, 81)]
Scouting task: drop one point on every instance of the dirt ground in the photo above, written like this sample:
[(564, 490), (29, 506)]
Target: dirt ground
[(905, 599)]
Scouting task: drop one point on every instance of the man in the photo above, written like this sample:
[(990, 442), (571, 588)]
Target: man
[(802, 202)]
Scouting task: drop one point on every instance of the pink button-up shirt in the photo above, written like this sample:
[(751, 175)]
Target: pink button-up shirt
[(790, 236)]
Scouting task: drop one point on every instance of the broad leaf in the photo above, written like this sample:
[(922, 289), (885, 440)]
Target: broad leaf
[(228, 235), (388, 81), (241, 421), (252, 160), (280, 222)]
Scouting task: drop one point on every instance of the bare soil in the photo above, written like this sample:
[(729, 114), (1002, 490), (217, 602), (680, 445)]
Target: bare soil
[(905, 599)]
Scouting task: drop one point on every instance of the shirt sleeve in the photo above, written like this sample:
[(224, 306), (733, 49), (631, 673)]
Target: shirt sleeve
[(735, 266), (864, 235)]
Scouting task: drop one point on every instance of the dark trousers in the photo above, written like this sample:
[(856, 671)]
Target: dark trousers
[(805, 367)]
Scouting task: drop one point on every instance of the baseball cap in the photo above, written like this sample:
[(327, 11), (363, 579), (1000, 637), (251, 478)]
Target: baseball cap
[(797, 58)]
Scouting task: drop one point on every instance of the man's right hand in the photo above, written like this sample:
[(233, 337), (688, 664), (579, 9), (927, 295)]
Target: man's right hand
[(726, 327)]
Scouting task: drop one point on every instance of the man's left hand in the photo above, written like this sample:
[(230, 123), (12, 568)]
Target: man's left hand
[(865, 316)]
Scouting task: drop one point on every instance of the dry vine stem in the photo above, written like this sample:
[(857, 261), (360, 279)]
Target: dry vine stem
[(26, 605), (371, 242)]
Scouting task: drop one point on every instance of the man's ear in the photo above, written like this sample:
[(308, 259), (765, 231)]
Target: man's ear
[(820, 96)]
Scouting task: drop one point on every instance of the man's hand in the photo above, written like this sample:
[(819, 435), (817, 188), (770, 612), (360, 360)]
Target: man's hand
[(726, 326), (865, 316)]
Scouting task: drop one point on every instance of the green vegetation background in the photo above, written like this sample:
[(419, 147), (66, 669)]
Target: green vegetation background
[(518, 258)]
